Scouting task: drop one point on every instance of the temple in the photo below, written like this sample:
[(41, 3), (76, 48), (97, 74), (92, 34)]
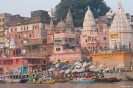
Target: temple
[(120, 30)]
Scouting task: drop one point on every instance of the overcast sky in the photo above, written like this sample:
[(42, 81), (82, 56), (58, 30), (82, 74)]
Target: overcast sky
[(24, 7)]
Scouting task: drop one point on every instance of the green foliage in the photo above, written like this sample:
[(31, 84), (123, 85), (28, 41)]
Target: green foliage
[(78, 9)]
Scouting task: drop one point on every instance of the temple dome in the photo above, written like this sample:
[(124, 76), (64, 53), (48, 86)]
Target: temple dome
[(61, 25)]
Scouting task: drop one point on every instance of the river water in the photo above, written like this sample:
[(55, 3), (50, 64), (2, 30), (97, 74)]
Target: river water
[(123, 84)]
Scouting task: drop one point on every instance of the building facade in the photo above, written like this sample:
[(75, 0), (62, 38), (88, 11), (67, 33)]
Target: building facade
[(4, 22), (66, 46), (121, 33), (30, 34), (94, 37)]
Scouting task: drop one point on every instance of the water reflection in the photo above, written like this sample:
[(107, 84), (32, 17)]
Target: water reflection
[(67, 85)]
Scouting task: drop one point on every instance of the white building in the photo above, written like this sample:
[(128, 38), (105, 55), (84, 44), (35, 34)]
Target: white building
[(50, 12), (120, 30)]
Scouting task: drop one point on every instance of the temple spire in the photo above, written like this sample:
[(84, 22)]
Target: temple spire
[(69, 20), (51, 27), (120, 27), (89, 21), (120, 22)]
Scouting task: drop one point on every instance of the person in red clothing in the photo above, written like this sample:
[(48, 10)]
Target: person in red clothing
[(90, 78)]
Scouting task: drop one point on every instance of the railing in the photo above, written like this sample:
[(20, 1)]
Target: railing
[(114, 51)]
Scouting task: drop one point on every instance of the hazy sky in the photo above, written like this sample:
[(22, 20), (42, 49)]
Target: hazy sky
[(24, 7)]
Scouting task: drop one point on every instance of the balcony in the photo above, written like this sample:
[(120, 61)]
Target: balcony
[(67, 51)]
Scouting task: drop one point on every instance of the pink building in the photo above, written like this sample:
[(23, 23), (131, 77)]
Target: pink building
[(66, 47), (93, 38)]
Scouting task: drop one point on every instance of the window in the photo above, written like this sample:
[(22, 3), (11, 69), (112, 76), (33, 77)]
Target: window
[(43, 26), (100, 47), (0, 26), (57, 49), (33, 27), (104, 38), (32, 61), (27, 28), (30, 35), (29, 60), (86, 40), (17, 61), (0, 20), (11, 30), (3, 20), (4, 62), (0, 62), (44, 48), (11, 61), (18, 36), (21, 29), (24, 28)]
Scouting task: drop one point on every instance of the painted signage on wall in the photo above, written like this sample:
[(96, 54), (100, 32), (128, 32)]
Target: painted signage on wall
[(114, 35), (109, 58)]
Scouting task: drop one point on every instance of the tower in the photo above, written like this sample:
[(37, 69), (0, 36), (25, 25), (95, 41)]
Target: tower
[(69, 21), (120, 30), (50, 32), (88, 26)]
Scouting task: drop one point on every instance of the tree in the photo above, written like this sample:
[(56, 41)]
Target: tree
[(78, 9)]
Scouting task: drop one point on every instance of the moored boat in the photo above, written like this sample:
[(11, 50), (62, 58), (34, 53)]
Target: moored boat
[(60, 80), (129, 77), (1, 79), (12, 78), (7, 78), (83, 82), (111, 79), (48, 82), (16, 78), (25, 78)]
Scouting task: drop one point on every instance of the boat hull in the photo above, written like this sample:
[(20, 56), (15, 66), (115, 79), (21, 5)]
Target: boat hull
[(83, 82), (48, 82), (129, 78)]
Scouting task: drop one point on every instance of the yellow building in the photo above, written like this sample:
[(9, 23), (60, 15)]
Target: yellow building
[(4, 22), (112, 60)]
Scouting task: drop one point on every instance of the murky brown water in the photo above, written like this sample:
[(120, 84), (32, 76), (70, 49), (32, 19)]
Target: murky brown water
[(123, 84)]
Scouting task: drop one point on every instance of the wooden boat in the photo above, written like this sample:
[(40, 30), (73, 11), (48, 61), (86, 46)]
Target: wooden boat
[(7, 78), (83, 82), (1, 79), (117, 80), (112, 79), (16, 78), (12, 78), (48, 82), (60, 80), (129, 78), (34, 82), (25, 78)]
